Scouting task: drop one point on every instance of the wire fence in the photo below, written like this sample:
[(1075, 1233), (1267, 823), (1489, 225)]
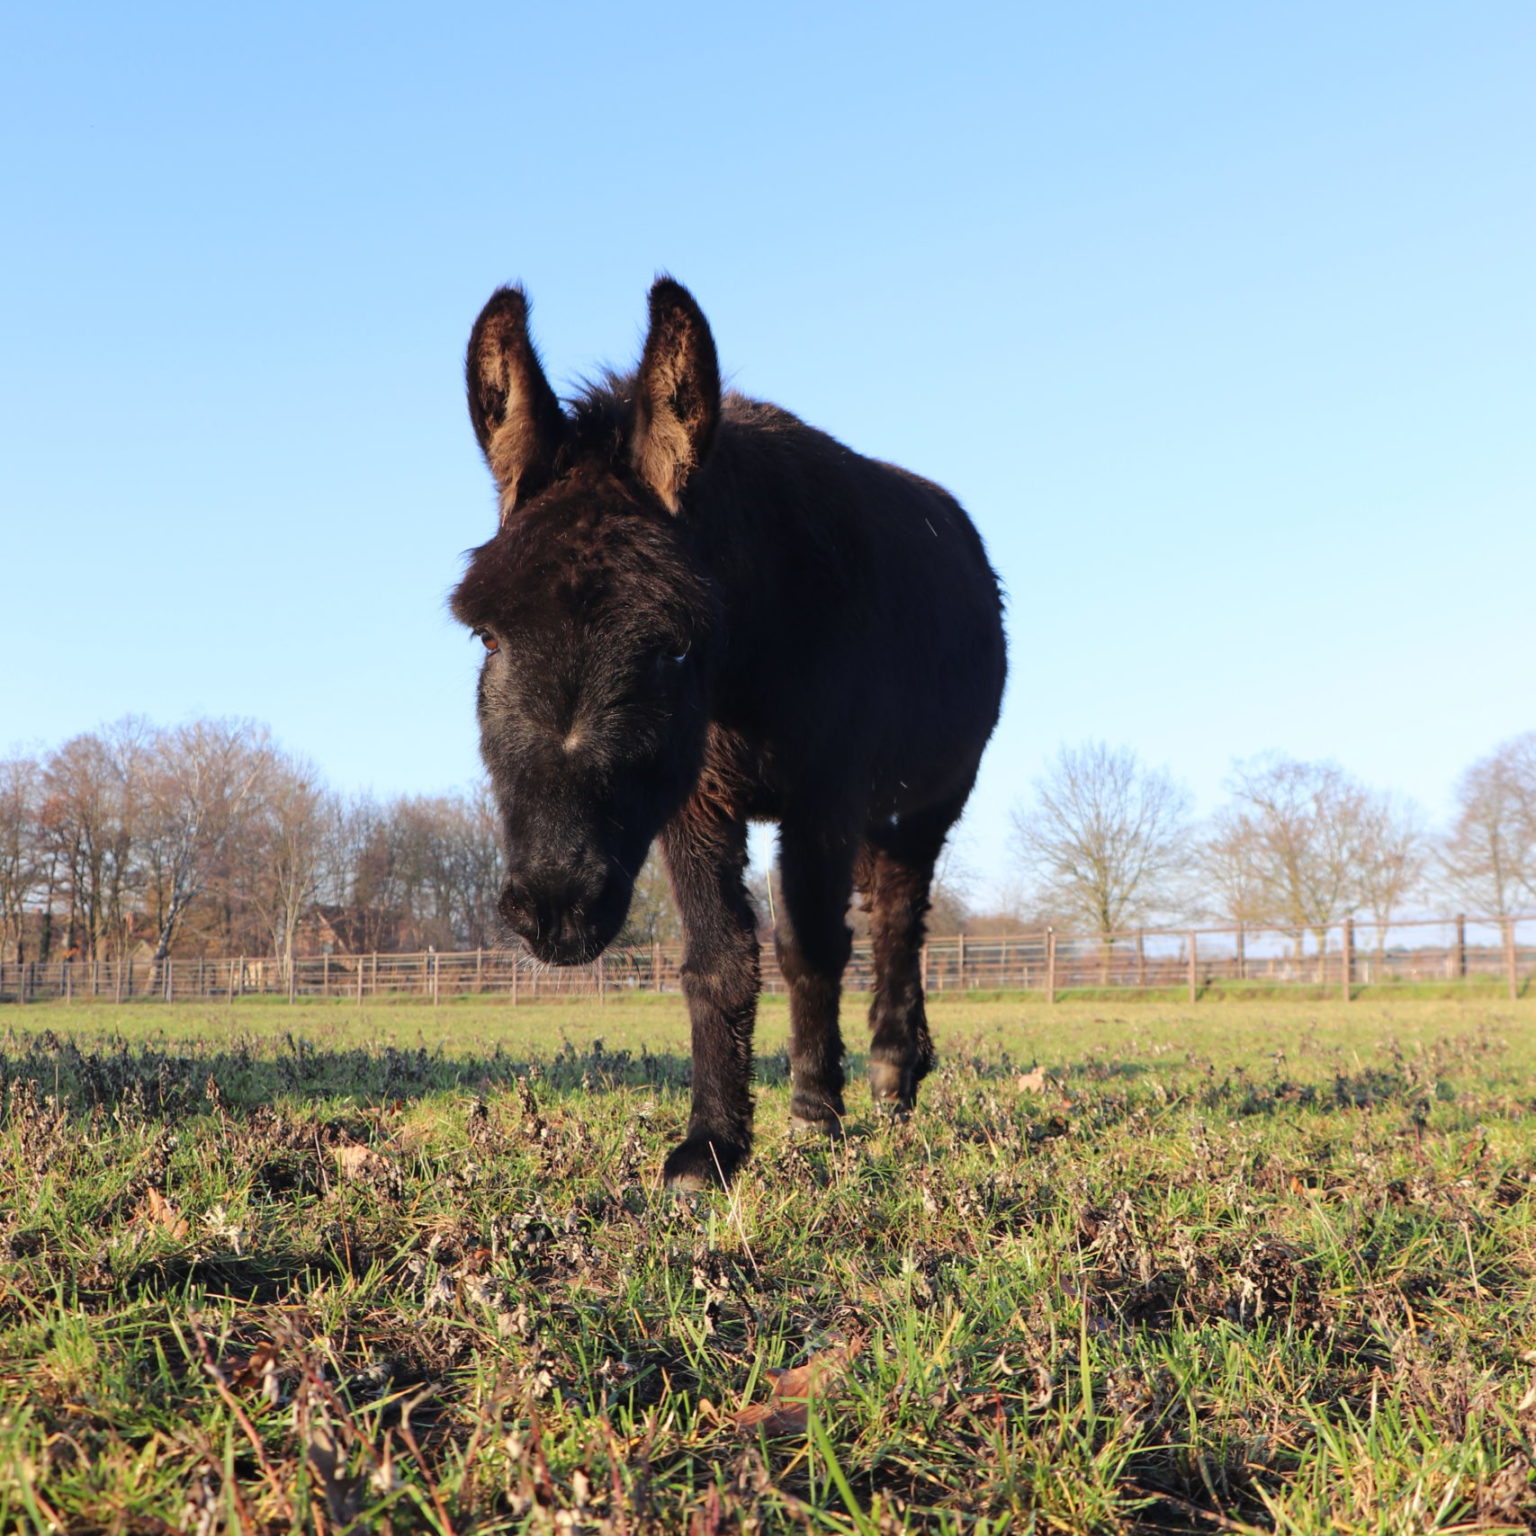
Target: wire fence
[(1339, 958)]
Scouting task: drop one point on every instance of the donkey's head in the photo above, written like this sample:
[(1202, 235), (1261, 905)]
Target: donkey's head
[(595, 613)]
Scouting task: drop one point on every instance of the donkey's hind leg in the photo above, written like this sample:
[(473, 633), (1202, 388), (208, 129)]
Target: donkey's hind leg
[(813, 942), (896, 873)]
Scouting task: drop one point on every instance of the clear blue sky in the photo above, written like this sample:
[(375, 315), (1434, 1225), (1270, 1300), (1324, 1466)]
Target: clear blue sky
[(1220, 319)]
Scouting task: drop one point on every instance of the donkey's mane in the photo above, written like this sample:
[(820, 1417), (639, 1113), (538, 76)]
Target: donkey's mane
[(601, 412), (601, 415)]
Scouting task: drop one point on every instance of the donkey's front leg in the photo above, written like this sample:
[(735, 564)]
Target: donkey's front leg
[(706, 854)]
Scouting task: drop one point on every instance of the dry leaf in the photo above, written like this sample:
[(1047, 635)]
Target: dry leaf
[(362, 1163), (259, 1373), (160, 1212), (1032, 1082), (476, 1261), (787, 1410)]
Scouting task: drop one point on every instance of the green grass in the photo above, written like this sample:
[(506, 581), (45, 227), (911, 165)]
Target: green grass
[(1262, 1264)]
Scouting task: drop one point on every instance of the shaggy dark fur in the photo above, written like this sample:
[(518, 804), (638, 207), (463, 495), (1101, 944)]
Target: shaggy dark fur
[(700, 612)]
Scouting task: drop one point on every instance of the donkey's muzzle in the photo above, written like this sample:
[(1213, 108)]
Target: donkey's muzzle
[(565, 919)]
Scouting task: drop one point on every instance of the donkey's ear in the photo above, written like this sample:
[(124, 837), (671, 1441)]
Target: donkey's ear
[(516, 416), (677, 393)]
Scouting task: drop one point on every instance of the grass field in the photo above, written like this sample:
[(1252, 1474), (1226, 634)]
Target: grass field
[(1131, 1267)]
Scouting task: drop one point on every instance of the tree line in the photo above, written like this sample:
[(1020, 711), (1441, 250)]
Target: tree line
[(210, 838), (1107, 843)]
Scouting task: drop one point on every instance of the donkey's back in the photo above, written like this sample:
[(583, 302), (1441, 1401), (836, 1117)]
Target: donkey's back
[(864, 615)]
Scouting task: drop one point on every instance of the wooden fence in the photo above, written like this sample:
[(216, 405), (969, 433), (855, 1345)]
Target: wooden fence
[(1341, 959)]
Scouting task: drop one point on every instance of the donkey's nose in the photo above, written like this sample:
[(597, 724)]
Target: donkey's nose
[(518, 909), (551, 914)]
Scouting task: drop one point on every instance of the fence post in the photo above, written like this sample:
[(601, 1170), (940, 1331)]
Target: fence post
[(1141, 958), (922, 966), (1347, 958), (602, 982), (1461, 946), (1050, 965), (325, 973), (515, 969), (1194, 976), (960, 958), (69, 988), (437, 967), (479, 958), (1510, 962)]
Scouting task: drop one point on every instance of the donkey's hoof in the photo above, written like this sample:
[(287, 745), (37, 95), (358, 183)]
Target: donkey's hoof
[(893, 1088), (701, 1163), (803, 1126), (816, 1114)]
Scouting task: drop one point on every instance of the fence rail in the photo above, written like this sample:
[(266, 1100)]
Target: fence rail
[(1340, 958)]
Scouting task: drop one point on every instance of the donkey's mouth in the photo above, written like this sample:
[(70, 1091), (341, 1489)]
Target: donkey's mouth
[(562, 950), (576, 936)]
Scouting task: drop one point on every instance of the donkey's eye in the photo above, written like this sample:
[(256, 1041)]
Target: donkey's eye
[(488, 640), (667, 658)]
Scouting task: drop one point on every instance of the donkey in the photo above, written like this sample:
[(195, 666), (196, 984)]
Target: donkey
[(698, 612)]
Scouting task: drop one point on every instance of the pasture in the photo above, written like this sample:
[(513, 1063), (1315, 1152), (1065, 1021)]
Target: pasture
[(1255, 1265)]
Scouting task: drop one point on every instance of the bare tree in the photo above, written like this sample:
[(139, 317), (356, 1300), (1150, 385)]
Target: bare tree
[(368, 879), (1104, 836), (1394, 854), (1306, 828), (449, 865), (422, 869), (481, 867), (1488, 859), (1228, 864), (199, 779), (92, 812), (428, 864), (21, 857), (292, 819)]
